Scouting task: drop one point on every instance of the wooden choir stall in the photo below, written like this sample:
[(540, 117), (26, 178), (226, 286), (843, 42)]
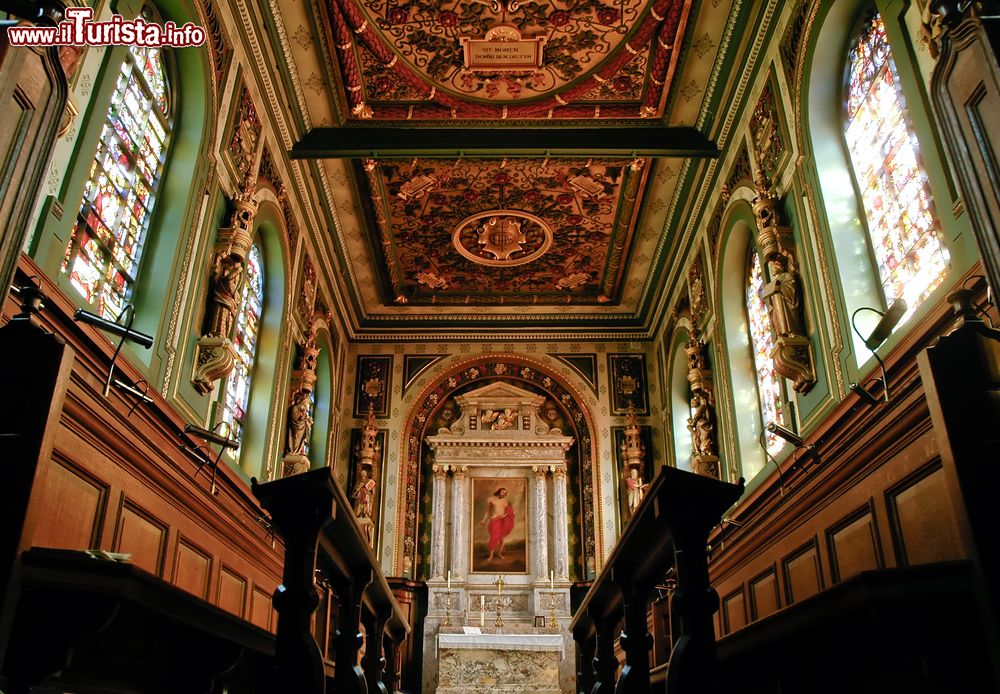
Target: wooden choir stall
[(667, 534)]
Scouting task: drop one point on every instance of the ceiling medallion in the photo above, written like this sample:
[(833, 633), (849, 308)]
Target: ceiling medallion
[(502, 238)]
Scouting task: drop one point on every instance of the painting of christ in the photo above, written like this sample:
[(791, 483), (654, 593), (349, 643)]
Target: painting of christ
[(499, 525)]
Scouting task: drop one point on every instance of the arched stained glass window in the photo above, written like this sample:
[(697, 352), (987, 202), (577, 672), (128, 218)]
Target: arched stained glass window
[(762, 343), (245, 337), (106, 245), (895, 194)]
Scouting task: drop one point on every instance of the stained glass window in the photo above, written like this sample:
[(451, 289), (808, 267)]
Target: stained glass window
[(895, 194), (762, 343), (237, 393), (107, 240)]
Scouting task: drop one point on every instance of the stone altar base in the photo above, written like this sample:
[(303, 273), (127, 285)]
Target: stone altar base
[(499, 663)]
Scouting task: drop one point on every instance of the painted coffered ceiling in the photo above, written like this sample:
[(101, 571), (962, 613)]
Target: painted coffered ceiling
[(491, 241)]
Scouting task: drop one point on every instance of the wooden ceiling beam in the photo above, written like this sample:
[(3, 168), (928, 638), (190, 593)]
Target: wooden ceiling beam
[(382, 142)]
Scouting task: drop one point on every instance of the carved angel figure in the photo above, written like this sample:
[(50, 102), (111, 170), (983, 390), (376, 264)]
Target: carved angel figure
[(505, 420)]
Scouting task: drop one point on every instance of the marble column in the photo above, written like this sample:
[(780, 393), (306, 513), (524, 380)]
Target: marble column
[(460, 519), (560, 524), (541, 524), (438, 524)]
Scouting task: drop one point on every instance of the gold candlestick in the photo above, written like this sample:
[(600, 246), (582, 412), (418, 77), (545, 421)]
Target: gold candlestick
[(447, 609)]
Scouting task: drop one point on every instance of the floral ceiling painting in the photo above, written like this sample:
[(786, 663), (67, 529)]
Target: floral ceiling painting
[(490, 232), (494, 60)]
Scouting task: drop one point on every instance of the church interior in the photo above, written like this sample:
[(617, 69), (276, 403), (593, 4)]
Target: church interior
[(550, 346)]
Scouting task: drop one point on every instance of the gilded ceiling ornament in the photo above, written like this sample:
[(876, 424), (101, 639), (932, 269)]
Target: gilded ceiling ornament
[(500, 239), (431, 279), (416, 187), (574, 279)]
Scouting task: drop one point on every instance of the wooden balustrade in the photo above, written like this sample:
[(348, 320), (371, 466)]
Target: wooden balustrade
[(313, 515), (669, 529)]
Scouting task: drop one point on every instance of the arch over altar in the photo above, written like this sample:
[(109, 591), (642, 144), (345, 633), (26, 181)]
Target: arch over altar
[(437, 405)]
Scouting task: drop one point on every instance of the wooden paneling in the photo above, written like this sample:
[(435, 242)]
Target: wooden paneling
[(803, 575), (73, 511), (924, 525), (734, 611), (140, 535), (764, 595), (232, 591), (260, 608), (854, 545), (192, 568)]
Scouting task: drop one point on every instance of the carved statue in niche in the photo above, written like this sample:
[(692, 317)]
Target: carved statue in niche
[(782, 295), (792, 353), (215, 356), (701, 423), (633, 452), (363, 499), (635, 489), (227, 281), (299, 423), (300, 420)]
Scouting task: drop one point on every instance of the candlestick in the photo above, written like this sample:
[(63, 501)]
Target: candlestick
[(447, 610)]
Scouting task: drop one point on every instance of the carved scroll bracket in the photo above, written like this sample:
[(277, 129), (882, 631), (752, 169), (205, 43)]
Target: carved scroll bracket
[(793, 352)]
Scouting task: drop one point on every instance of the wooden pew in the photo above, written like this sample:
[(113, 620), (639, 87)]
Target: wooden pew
[(668, 530), (313, 515)]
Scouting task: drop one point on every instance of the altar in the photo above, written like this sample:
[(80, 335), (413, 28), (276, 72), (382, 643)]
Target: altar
[(499, 663), (499, 537)]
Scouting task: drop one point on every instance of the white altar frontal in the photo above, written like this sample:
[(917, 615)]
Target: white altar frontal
[(499, 536)]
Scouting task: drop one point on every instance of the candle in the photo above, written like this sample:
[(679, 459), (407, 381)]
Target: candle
[(482, 610), (552, 580), (449, 579)]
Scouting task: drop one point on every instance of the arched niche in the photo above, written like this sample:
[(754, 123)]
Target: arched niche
[(261, 446), (680, 403), (412, 501), (737, 241)]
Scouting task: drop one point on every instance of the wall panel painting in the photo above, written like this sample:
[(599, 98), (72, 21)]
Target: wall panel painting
[(499, 525)]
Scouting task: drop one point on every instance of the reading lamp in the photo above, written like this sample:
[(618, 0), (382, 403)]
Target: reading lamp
[(792, 438), (126, 333), (889, 320), (123, 331), (214, 437)]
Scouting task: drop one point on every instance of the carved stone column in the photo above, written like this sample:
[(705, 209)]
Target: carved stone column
[(560, 524), (460, 519), (793, 352), (701, 423), (541, 523), (438, 525)]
